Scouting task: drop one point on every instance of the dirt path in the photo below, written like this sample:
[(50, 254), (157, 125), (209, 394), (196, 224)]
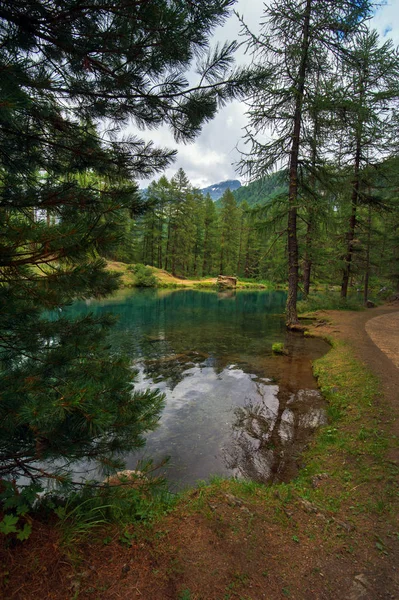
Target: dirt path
[(384, 331), (374, 337)]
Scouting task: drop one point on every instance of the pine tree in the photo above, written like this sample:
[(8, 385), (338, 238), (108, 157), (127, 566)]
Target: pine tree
[(229, 242), (66, 185), (211, 237), (198, 217), (181, 225)]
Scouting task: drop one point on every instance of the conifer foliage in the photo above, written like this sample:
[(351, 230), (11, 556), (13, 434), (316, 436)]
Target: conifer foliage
[(299, 40), (72, 75)]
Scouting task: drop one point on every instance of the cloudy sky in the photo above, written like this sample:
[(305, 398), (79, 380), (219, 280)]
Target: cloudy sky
[(212, 157)]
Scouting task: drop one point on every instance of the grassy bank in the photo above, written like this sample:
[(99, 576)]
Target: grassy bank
[(153, 277), (229, 539)]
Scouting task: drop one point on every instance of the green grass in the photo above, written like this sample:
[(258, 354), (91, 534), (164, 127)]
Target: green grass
[(258, 283), (352, 447), (330, 301)]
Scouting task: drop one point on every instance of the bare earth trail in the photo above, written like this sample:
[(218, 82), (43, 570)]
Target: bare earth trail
[(384, 331), (374, 338)]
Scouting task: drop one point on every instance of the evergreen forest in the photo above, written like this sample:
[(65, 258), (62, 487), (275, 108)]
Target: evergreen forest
[(244, 232)]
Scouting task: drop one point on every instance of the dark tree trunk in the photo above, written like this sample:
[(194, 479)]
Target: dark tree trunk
[(291, 310), (352, 224), (367, 272), (196, 254), (160, 239), (153, 241), (167, 250), (174, 254), (240, 245), (247, 269), (206, 242), (221, 256), (307, 261)]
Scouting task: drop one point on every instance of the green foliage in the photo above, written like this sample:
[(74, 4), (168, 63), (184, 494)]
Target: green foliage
[(229, 243), (78, 517), (300, 44), (123, 501), (256, 236), (263, 190), (68, 193), (144, 276), (16, 504)]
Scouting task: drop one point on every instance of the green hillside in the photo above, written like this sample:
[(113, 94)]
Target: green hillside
[(262, 190)]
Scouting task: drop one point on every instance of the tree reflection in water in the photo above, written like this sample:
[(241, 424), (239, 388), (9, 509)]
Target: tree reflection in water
[(266, 443)]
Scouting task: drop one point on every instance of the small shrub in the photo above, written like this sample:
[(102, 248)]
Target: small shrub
[(15, 507), (143, 276)]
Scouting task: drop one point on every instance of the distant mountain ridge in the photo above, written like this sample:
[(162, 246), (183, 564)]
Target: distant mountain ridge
[(216, 190), (255, 193), (263, 190)]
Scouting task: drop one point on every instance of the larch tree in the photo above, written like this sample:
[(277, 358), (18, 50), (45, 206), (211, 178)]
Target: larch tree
[(368, 128), (295, 35), (72, 76), (211, 237), (229, 237)]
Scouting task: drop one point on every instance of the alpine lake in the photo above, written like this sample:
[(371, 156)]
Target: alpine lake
[(232, 407)]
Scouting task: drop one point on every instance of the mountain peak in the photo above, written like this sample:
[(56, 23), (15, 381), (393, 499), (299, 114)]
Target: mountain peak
[(216, 190)]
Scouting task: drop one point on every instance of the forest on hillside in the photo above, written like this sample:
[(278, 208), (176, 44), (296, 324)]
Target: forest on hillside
[(321, 154), (244, 233)]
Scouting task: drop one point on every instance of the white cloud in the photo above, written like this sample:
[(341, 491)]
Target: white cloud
[(385, 21)]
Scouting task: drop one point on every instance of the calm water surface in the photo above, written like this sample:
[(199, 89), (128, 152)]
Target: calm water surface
[(232, 408)]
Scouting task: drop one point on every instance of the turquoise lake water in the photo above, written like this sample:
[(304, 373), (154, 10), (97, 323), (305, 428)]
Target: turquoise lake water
[(232, 408)]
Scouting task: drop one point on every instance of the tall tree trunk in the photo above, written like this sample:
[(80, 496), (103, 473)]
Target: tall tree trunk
[(167, 250), (160, 238), (196, 254), (153, 240), (307, 261), (352, 223), (205, 259), (367, 273), (240, 245), (291, 310), (221, 255), (174, 234), (246, 268)]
